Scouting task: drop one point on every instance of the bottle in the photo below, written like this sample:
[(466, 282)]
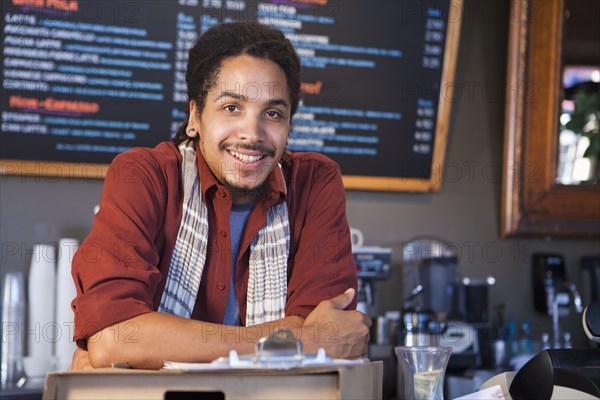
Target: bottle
[(510, 338), (526, 339), (545, 341), (567, 341)]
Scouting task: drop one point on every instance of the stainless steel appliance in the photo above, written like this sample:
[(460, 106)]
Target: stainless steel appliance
[(433, 264), (468, 327), (430, 268), (421, 328), (372, 264), (452, 310), (552, 292)]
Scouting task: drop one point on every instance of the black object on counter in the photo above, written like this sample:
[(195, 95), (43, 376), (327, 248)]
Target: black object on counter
[(578, 369), (590, 267), (546, 268), (591, 321)]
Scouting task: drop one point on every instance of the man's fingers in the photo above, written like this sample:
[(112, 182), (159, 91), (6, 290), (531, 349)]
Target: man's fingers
[(80, 361), (367, 320), (343, 300)]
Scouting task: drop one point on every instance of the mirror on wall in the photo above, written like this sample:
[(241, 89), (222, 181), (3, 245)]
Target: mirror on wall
[(550, 174), (579, 108)]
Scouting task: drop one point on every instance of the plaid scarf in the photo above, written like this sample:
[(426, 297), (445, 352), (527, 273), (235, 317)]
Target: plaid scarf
[(269, 250)]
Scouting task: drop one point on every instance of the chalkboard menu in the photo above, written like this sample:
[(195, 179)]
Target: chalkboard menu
[(83, 80)]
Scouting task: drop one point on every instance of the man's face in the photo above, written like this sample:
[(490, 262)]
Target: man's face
[(244, 125)]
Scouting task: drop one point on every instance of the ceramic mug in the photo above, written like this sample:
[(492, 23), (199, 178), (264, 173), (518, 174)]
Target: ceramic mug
[(356, 237)]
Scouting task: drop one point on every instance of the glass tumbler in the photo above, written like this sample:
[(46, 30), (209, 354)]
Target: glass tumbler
[(423, 369)]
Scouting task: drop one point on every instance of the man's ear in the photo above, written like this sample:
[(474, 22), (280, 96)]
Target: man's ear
[(193, 109), (192, 125)]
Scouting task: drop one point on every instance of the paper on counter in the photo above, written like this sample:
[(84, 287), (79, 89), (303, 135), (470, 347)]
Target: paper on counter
[(220, 366), (491, 393)]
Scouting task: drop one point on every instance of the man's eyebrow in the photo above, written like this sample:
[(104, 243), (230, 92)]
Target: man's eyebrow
[(278, 102), (234, 95), (239, 96)]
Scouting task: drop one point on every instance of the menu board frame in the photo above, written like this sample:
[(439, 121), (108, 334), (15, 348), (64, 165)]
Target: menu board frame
[(433, 183)]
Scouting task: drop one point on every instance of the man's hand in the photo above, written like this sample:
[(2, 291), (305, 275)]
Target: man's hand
[(80, 362), (342, 333)]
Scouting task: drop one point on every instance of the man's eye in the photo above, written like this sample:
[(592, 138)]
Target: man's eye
[(273, 114), (231, 108)]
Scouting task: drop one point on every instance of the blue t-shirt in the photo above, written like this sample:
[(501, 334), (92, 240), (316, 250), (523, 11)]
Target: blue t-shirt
[(237, 220)]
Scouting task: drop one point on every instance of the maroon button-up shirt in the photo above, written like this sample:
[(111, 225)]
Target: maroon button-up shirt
[(120, 269)]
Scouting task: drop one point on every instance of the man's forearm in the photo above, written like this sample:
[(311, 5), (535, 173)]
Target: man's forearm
[(147, 340)]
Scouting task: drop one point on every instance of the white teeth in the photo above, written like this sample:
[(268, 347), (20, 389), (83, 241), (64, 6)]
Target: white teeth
[(245, 157)]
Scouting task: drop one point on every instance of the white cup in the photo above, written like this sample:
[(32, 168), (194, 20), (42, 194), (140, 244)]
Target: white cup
[(38, 367), (356, 237)]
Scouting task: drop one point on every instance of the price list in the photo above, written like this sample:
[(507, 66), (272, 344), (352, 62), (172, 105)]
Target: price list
[(433, 47)]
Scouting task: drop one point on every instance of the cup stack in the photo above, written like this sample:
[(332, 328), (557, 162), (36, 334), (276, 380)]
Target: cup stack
[(65, 293), (13, 322), (41, 328)]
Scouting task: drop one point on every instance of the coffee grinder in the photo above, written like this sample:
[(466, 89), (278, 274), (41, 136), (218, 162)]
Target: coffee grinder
[(468, 326), (432, 264)]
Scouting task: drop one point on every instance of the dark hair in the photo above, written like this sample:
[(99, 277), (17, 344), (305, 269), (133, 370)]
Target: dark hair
[(228, 40)]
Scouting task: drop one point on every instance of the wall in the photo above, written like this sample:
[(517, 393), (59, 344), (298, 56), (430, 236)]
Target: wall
[(465, 212)]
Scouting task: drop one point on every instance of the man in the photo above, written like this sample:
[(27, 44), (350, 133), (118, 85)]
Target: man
[(209, 243)]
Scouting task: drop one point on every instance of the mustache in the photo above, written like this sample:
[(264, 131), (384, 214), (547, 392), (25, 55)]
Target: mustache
[(268, 150)]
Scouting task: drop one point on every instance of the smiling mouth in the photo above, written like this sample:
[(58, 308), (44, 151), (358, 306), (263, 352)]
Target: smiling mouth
[(245, 157)]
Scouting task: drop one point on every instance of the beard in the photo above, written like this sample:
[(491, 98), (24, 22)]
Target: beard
[(243, 195)]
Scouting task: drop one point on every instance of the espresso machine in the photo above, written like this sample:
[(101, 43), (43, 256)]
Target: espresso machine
[(372, 264), (450, 310)]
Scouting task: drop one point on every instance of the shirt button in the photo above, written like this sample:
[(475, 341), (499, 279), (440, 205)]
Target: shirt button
[(220, 286), (221, 194), (223, 234)]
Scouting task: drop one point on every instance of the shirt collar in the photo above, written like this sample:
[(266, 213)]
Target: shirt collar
[(275, 190)]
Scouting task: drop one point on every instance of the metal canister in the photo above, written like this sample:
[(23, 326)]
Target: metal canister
[(421, 328)]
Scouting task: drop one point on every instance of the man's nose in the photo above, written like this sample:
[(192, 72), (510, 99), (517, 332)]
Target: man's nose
[(252, 129)]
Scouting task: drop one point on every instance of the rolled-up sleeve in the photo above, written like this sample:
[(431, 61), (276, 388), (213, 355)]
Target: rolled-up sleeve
[(115, 269), (322, 266)]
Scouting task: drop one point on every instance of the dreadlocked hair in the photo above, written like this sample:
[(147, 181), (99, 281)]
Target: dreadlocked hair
[(228, 40)]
